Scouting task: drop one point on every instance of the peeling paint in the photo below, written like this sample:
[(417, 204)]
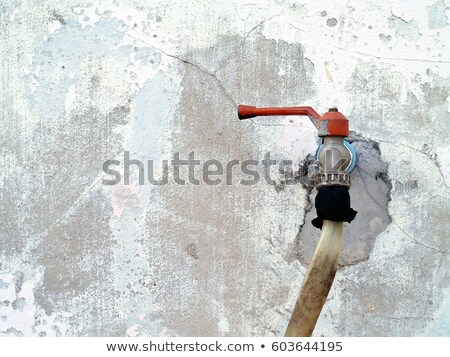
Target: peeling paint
[(437, 16)]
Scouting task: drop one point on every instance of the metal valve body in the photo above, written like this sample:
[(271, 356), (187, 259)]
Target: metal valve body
[(336, 158)]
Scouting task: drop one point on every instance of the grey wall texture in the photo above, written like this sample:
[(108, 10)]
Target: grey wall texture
[(83, 82)]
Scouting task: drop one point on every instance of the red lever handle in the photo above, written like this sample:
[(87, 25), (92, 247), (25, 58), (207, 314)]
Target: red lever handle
[(332, 123), (248, 111)]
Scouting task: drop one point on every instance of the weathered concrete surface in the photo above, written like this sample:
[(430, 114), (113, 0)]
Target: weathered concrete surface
[(83, 82)]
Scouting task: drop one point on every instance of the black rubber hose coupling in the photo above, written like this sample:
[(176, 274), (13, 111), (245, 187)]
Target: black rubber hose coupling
[(333, 204)]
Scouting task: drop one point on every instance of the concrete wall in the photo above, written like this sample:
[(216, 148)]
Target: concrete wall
[(83, 82)]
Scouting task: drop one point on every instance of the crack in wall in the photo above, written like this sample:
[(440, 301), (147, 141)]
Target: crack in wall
[(415, 241), (424, 151), (185, 61)]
